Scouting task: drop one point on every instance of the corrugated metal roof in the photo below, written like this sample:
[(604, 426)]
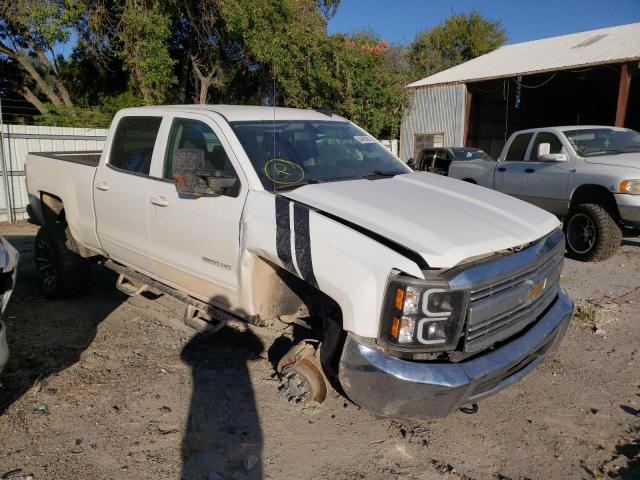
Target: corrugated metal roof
[(605, 45)]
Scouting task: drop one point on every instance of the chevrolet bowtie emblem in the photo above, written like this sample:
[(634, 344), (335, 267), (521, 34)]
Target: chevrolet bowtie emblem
[(537, 288)]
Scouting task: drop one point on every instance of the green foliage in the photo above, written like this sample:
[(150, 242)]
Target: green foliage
[(88, 117), (459, 38), (144, 35), (286, 44), (48, 22), (135, 52)]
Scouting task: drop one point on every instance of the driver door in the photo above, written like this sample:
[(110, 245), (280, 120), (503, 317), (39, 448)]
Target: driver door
[(546, 184), (510, 169), (195, 240)]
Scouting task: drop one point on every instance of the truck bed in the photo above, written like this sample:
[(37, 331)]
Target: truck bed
[(90, 158), (67, 176)]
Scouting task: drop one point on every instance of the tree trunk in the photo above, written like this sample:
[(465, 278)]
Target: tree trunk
[(30, 97), (33, 73), (204, 82), (53, 74)]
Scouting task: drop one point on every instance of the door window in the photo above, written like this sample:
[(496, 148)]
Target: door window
[(518, 148), (133, 143), (545, 137), (193, 134)]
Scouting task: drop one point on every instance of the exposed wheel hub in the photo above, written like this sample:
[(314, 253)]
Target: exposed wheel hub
[(301, 377)]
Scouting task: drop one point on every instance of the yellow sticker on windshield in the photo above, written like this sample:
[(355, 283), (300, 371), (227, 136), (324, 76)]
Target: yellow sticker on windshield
[(282, 171)]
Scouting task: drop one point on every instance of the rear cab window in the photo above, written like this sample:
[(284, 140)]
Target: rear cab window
[(518, 148), (133, 143)]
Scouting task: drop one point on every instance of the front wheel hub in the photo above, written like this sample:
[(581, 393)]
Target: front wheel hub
[(301, 377)]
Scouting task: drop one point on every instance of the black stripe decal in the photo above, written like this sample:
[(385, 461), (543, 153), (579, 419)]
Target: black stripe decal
[(283, 233), (303, 243), (396, 247)]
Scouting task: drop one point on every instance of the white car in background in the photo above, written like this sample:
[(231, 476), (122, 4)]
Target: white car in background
[(587, 175)]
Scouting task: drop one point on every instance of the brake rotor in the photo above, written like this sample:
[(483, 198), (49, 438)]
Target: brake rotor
[(301, 376)]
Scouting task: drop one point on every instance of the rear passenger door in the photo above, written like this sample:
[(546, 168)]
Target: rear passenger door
[(195, 241), (510, 169), (121, 188)]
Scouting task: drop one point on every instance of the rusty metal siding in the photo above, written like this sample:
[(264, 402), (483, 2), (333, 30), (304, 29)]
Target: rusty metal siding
[(16, 141), (434, 110)]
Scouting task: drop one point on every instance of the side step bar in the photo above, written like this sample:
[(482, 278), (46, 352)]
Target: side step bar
[(134, 283)]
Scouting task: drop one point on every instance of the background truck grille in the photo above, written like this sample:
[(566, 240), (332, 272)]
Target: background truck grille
[(510, 293)]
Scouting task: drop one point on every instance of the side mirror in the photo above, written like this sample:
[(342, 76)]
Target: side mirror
[(552, 157), (544, 149), (191, 177), (545, 156), (411, 163)]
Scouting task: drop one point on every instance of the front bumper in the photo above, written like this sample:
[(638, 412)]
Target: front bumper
[(629, 208), (4, 347), (390, 387)]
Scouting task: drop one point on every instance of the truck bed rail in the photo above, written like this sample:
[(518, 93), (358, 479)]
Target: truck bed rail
[(90, 158)]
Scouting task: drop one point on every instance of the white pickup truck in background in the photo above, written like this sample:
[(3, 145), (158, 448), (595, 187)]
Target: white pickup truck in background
[(587, 175), (257, 214)]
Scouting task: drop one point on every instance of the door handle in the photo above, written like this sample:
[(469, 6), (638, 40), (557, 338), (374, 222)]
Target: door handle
[(502, 169), (529, 170), (160, 201), (102, 186)]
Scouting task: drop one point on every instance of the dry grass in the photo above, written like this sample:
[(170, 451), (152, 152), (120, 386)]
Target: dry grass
[(586, 314)]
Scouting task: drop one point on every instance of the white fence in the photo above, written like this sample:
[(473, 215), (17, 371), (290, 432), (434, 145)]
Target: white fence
[(16, 141)]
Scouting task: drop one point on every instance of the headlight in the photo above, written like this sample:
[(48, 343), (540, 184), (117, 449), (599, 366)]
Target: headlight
[(421, 317), (630, 186)]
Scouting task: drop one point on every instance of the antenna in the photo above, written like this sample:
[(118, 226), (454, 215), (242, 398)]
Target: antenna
[(273, 101)]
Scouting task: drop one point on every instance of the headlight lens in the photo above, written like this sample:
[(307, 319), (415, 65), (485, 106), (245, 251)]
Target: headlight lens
[(630, 186), (419, 317)]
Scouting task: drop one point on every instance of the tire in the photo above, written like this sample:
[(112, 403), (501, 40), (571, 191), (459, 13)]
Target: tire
[(63, 273), (592, 234)]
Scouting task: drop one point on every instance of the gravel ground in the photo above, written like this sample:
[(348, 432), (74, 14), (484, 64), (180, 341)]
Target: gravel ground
[(107, 386)]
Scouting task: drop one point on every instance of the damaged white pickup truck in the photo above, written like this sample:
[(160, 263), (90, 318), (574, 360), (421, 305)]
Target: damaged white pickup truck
[(421, 294)]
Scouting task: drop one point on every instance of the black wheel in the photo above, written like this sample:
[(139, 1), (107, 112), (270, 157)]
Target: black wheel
[(592, 233), (63, 273)]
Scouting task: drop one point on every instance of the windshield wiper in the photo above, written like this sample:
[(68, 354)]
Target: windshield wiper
[(288, 186), (612, 151)]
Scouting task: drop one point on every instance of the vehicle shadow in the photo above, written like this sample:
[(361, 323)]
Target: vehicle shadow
[(222, 437), (43, 338)]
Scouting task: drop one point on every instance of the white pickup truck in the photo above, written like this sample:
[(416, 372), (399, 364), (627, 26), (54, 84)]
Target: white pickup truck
[(588, 175), (426, 294)]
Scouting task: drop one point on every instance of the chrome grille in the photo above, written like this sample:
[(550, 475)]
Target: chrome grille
[(512, 292)]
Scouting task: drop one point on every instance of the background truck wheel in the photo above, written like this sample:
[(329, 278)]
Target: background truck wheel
[(63, 273), (592, 233)]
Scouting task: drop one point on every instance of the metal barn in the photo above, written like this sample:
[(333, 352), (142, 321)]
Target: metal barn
[(589, 77)]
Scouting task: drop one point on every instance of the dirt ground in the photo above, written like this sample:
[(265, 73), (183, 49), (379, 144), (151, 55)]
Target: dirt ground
[(107, 386)]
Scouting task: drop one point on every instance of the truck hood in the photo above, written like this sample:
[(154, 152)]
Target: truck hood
[(629, 160), (445, 221)]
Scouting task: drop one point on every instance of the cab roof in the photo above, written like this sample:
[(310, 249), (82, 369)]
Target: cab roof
[(240, 113)]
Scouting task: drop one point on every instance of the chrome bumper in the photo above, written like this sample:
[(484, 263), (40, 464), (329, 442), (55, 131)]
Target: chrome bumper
[(390, 387), (629, 208), (4, 347)]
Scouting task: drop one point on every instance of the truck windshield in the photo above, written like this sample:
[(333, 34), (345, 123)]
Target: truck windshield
[(591, 142), (470, 154), (288, 154)]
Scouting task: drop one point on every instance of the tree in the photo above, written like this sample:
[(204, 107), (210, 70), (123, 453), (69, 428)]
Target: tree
[(458, 39), (30, 31)]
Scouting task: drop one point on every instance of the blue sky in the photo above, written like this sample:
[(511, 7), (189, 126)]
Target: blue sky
[(398, 21)]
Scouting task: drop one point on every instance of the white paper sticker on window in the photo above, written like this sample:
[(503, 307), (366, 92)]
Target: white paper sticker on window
[(364, 139)]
